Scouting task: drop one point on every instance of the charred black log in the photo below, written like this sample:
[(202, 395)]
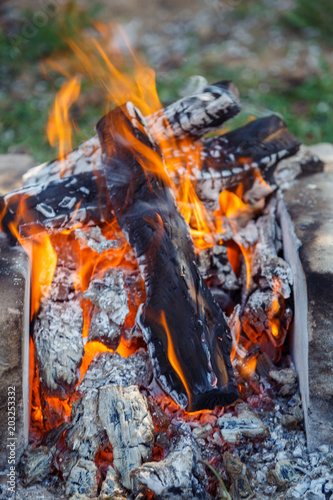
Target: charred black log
[(187, 336), (82, 196), (239, 156), (57, 205)]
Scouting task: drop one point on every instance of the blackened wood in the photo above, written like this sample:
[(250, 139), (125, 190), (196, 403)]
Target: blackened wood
[(241, 155), (197, 114), (199, 374), (57, 205), (264, 141), (228, 160)]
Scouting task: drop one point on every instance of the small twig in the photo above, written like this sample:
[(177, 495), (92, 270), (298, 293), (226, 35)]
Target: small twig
[(218, 477)]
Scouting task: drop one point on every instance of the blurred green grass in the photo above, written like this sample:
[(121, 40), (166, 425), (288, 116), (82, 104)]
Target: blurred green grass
[(314, 14), (26, 95)]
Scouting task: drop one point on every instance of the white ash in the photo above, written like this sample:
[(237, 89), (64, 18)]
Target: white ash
[(87, 433), (111, 368), (180, 476), (59, 345), (82, 479), (85, 158), (111, 487), (62, 288), (307, 473), (124, 414), (95, 240), (103, 329), (110, 295), (111, 307), (266, 262), (214, 262), (245, 424)]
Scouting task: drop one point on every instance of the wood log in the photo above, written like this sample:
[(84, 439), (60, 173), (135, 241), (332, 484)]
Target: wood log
[(196, 115), (180, 476), (267, 311), (81, 195), (58, 338), (87, 434), (37, 462), (241, 155), (57, 204), (83, 480), (124, 414), (180, 316), (110, 301)]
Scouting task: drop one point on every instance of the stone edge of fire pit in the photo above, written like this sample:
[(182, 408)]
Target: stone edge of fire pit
[(306, 215), (14, 352)]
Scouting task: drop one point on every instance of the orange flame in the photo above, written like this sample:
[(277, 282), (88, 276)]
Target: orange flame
[(172, 355), (274, 321), (59, 126)]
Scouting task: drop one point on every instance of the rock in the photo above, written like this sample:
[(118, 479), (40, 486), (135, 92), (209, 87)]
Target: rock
[(83, 479), (246, 424), (180, 476), (124, 414), (12, 167)]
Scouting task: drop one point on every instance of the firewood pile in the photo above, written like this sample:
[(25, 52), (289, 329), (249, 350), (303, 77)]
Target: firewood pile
[(161, 365)]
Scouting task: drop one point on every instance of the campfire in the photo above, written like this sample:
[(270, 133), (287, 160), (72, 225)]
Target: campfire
[(160, 300)]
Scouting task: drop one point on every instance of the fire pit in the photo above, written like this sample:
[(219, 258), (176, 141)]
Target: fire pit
[(160, 307)]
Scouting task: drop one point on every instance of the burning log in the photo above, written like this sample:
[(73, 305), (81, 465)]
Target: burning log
[(197, 114), (241, 155), (83, 480), (87, 434), (267, 313), (180, 476), (58, 340), (36, 463), (111, 307), (125, 417), (228, 160), (57, 204), (188, 338)]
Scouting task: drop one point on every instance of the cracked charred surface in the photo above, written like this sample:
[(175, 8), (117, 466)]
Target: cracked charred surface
[(188, 338)]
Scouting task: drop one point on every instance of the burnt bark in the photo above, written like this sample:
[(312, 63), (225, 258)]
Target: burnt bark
[(55, 203), (241, 155), (197, 114), (180, 316)]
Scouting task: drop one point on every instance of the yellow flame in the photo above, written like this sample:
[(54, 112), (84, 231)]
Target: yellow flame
[(59, 126), (172, 357)]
